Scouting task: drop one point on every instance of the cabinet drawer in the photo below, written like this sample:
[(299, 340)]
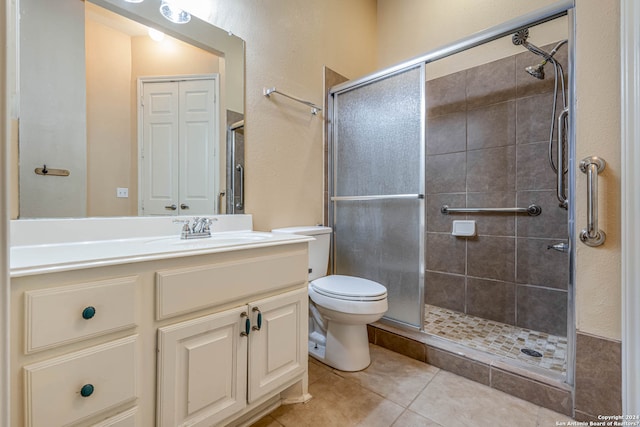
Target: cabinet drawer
[(61, 315), (66, 389), (123, 419), (185, 290)]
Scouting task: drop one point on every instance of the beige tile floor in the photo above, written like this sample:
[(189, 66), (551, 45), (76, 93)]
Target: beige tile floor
[(401, 392)]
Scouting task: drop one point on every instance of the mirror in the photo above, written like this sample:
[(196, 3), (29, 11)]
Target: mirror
[(89, 143)]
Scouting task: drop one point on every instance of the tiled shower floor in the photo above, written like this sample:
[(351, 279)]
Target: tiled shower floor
[(497, 338)]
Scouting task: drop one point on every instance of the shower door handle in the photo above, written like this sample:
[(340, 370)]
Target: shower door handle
[(562, 198), (592, 236), (240, 169)]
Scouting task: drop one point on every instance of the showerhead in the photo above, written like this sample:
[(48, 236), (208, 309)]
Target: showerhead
[(536, 71)]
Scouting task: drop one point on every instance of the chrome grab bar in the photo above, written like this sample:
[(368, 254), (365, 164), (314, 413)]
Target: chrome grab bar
[(377, 197), (562, 198), (533, 210), (239, 168), (592, 236)]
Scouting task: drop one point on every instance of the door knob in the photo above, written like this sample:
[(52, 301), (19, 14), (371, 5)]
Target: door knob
[(171, 207), (183, 206)]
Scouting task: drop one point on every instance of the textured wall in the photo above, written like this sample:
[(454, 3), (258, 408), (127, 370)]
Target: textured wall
[(411, 27), (52, 116), (598, 134), (108, 119)]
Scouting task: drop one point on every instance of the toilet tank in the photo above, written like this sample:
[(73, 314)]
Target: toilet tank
[(318, 249)]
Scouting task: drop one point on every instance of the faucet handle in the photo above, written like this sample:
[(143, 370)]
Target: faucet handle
[(207, 222), (185, 227), (197, 224)]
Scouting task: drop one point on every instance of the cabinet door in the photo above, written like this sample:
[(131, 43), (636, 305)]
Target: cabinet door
[(277, 344), (202, 369)]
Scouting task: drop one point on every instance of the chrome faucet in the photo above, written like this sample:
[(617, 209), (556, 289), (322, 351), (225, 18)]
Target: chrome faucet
[(201, 227)]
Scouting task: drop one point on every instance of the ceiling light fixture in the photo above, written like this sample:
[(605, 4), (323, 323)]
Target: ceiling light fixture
[(134, 1), (173, 13)]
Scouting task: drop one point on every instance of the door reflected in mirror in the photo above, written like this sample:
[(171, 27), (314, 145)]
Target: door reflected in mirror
[(82, 108)]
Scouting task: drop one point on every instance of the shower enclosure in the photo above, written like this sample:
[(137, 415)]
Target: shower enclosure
[(470, 133)]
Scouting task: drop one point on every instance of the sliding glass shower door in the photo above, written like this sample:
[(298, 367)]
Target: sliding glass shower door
[(377, 187)]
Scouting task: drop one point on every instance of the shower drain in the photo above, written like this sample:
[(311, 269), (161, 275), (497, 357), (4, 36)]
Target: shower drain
[(530, 352)]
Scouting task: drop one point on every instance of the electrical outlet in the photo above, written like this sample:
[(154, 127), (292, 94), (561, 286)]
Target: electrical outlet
[(122, 192)]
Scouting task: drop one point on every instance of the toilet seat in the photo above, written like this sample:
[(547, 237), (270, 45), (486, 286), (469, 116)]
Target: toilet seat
[(349, 288)]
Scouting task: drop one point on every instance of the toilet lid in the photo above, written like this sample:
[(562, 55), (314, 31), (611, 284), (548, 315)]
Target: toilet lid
[(349, 288)]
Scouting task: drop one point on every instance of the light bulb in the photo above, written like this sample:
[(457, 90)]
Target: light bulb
[(156, 35), (174, 13)]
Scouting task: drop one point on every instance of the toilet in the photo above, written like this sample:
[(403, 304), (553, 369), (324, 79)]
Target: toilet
[(340, 307)]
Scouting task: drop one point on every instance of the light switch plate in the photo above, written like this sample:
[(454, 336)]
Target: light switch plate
[(122, 192)]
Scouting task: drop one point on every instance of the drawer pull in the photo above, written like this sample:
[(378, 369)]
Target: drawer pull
[(259, 319), (247, 325), (86, 390), (88, 312)]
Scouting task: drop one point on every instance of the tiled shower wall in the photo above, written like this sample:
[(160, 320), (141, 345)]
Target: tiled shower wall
[(487, 142)]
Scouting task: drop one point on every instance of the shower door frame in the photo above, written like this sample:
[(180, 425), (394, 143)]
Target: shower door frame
[(540, 16)]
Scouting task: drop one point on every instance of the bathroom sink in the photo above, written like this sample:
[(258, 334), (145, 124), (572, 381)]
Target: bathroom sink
[(216, 239)]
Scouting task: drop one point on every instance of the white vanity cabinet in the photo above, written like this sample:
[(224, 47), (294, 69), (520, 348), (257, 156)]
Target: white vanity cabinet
[(215, 339)]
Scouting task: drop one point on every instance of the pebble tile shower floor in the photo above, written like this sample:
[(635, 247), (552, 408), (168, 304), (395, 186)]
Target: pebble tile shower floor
[(497, 338)]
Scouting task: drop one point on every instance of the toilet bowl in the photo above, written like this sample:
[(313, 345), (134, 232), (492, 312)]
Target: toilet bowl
[(340, 307)]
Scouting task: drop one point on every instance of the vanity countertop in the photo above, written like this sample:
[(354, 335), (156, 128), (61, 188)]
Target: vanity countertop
[(62, 254)]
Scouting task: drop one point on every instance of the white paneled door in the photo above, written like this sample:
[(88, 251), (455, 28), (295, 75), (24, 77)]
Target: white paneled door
[(179, 134)]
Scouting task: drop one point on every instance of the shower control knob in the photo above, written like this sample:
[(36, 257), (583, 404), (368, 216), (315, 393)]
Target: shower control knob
[(560, 247)]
